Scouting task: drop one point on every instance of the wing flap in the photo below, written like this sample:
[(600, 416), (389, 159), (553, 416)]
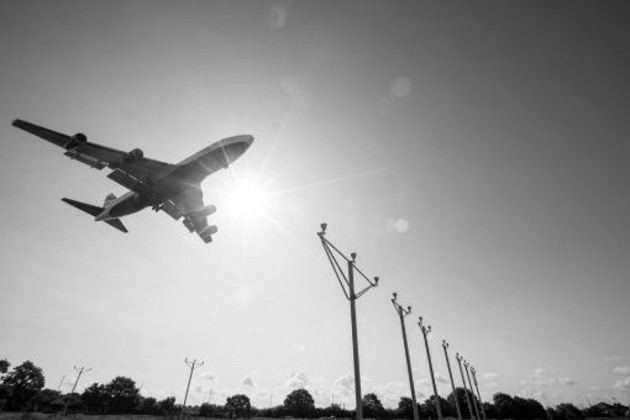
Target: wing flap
[(87, 159), (125, 179)]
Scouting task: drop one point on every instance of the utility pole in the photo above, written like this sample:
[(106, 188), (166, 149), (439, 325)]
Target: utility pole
[(74, 387), (426, 330), (402, 313), (474, 375), (450, 374), (347, 286), (466, 364), (192, 365), (470, 408), (61, 382)]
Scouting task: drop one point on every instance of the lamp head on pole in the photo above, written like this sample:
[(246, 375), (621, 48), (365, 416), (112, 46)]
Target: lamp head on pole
[(323, 226), (394, 296), (375, 281), (353, 255), (408, 309), (445, 344)]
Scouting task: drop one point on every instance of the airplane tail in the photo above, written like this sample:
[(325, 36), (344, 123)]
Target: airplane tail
[(95, 211)]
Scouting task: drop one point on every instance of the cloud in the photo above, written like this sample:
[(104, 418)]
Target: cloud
[(539, 372), (490, 375), (566, 381), (296, 380), (344, 385), (248, 381), (494, 385), (210, 376), (622, 370), (440, 379), (623, 384)]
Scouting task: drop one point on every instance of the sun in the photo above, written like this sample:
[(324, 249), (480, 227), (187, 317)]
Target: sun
[(247, 199)]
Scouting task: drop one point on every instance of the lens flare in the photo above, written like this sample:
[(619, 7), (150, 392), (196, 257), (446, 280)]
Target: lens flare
[(247, 199)]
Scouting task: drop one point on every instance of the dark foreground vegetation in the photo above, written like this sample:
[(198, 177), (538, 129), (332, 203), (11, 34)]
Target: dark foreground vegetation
[(22, 390)]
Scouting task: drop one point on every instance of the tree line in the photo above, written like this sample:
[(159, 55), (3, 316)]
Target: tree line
[(22, 389)]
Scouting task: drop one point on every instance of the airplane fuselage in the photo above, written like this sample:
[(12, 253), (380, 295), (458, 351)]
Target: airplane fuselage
[(188, 174)]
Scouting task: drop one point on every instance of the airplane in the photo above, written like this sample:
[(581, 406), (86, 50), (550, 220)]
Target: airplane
[(174, 189)]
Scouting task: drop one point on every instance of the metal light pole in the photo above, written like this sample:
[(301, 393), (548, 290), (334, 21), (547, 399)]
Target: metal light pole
[(402, 313), (474, 375), (450, 374), (347, 286), (426, 330), (192, 365), (470, 408), (466, 364), (81, 371)]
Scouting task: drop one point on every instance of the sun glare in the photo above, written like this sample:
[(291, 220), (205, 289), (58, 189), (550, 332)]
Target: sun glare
[(247, 199)]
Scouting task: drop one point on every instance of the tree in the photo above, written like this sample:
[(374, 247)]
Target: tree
[(568, 411), (47, 401), (166, 406), (460, 394), (333, 410), (25, 382), (372, 406), (212, 410), (299, 403), (505, 405), (123, 395), (4, 366), (405, 408), (238, 406), (432, 409), (95, 399), (148, 406)]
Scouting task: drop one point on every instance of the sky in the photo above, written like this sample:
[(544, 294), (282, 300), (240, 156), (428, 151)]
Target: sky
[(473, 155)]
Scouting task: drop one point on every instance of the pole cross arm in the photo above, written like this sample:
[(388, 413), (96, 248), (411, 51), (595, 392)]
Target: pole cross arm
[(334, 254), (399, 308)]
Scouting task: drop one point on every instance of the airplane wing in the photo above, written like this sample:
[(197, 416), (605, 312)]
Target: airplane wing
[(190, 205), (130, 169)]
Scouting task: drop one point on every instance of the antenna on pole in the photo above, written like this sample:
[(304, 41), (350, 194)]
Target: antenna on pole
[(80, 371), (346, 281), (402, 313), (192, 365)]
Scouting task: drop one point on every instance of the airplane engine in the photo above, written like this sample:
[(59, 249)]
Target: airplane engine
[(203, 212), (134, 154), (76, 140), (79, 138)]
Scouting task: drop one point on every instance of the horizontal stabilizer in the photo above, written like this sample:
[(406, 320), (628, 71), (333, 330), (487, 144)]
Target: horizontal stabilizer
[(117, 224), (88, 208), (95, 211)]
